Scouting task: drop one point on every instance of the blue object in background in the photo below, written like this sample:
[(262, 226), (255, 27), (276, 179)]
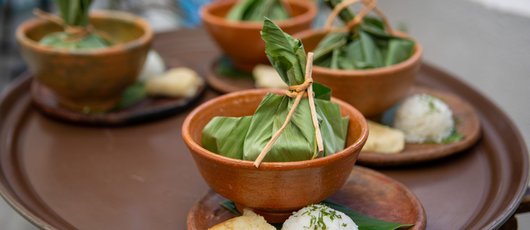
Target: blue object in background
[(191, 8)]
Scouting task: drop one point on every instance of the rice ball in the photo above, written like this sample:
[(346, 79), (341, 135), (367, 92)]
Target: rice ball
[(424, 118), (318, 216)]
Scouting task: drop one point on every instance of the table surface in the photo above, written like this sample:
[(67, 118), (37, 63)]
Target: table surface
[(65, 170)]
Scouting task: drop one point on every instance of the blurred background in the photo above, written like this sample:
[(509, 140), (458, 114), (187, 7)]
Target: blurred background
[(486, 43)]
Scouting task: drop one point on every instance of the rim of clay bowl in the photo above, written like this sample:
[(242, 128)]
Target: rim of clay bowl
[(146, 37), (198, 149), (418, 52), (309, 15)]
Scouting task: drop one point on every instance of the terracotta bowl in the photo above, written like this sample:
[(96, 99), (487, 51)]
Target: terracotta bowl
[(241, 41), (90, 80), (371, 91), (275, 189)]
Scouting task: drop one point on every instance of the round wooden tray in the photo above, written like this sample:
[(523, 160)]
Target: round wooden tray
[(146, 110), (366, 191), (142, 177), (467, 124)]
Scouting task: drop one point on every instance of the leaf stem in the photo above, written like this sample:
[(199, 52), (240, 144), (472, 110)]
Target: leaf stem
[(308, 77), (299, 92)]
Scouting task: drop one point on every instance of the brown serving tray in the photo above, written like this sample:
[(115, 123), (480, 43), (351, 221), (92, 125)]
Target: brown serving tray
[(65, 176)]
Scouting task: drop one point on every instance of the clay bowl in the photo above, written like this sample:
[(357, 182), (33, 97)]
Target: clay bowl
[(371, 91), (93, 80), (241, 41), (275, 189)]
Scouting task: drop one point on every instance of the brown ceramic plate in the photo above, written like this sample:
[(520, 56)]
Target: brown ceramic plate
[(148, 109), (366, 191), (66, 176), (467, 124), (227, 84)]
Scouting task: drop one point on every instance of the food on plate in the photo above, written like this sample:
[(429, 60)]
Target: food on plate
[(383, 139), (425, 119), (318, 216), (78, 33), (365, 45), (249, 220), (296, 126), (177, 82), (266, 77), (257, 10), (153, 66)]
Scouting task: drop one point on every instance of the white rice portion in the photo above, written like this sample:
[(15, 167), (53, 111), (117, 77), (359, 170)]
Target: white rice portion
[(424, 118), (317, 217)]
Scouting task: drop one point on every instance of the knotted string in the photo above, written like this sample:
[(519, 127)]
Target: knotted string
[(75, 33), (297, 92), (368, 6)]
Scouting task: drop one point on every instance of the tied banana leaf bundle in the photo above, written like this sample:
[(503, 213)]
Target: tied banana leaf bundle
[(77, 34), (368, 44), (248, 137), (257, 10)]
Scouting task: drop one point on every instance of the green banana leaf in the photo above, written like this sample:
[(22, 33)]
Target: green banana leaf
[(74, 13), (365, 222), (398, 50), (223, 135), (297, 141), (62, 40), (132, 95), (257, 10), (245, 137), (329, 43), (367, 46)]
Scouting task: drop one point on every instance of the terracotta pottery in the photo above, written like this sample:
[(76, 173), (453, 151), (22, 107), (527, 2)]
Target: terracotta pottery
[(366, 191), (92, 80), (371, 91), (275, 189), (241, 40)]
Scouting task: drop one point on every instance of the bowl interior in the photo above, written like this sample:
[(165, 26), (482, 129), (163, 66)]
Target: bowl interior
[(244, 104), (222, 9), (311, 38), (120, 27)]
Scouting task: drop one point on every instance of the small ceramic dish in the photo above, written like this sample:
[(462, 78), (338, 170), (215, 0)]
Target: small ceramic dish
[(467, 124), (275, 189), (366, 191), (241, 40), (150, 108)]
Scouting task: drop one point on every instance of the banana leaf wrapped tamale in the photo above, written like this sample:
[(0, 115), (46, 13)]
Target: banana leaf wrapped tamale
[(247, 137), (257, 10), (367, 43), (77, 34)]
